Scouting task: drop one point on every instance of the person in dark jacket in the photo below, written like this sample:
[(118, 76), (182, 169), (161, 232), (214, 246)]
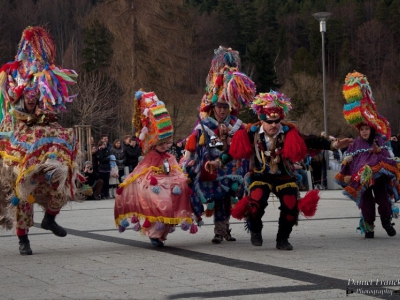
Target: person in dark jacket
[(93, 180), (102, 158), (119, 153), (132, 152)]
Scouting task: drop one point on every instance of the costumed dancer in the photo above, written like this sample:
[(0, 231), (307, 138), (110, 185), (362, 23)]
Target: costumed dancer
[(369, 175), (156, 193), (38, 156), (273, 147), (227, 91)]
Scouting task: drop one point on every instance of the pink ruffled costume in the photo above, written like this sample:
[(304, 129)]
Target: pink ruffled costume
[(154, 196)]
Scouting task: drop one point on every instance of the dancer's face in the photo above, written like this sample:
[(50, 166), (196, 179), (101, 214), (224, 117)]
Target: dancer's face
[(365, 132), (271, 126), (221, 111), (162, 147), (30, 103)]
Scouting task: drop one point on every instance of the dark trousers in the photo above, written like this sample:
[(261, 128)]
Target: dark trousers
[(222, 214), (379, 196), (105, 176), (287, 192)]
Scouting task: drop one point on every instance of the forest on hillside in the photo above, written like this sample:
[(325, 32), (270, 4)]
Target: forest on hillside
[(166, 46)]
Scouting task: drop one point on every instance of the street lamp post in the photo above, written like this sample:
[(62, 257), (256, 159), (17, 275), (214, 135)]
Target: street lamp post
[(322, 17)]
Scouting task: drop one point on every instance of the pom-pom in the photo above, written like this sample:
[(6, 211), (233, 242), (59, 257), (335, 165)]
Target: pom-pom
[(214, 99), (134, 219), (156, 189), (220, 80), (209, 213), (138, 95), (308, 204), (193, 228), (137, 227), (176, 190), (191, 143), (241, 208), (185, 226), (234, 200), (295, 148), (240, 146), (153, 180), (235, 186), (146, 224), (159, 226), (124, 223), (14, 200), (202, 139), (205, 175), (253, 128), (121, 229), (52, 156), (31, 199), (211, 205), (119, 190)]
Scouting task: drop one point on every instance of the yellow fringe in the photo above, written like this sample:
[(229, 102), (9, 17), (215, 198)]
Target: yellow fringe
[(286, 185), (260, 183), (152, 219), (4, 155)]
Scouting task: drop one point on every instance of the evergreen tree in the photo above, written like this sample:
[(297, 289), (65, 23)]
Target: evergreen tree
[(97, 52)]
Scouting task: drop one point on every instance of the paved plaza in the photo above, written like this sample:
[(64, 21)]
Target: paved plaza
[(95, 261)]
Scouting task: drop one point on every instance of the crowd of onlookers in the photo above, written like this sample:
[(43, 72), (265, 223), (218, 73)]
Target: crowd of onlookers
[(112, 162)]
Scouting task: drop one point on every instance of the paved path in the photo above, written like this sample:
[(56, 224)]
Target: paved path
[(96, 262)]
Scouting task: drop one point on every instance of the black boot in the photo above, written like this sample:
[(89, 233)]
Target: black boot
[(388, 226), (256, 239), (228, 236), (369, 235), (217, 239), (24, 245), (283, 245), (49, 223)]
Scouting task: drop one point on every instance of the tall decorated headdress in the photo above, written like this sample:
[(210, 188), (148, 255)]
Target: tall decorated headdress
[(152, 120), (226, 84), (35, 74), (360, 108), (271, 105)]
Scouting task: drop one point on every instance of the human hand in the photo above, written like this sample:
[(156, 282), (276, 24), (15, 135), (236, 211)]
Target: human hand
[(211, 166), (342, 143), (191, 163)]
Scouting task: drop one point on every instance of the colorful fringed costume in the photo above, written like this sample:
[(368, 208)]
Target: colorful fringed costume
[(229, 90), (368, 174), (272, 158), (156, 192), (38, 156)]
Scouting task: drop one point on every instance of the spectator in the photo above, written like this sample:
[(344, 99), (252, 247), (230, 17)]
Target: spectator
[(114, 181), (132, 152), (177, 150), (394, 143), (93, 180), (104, 138), (102, 158), (119, 154), (301, 174)]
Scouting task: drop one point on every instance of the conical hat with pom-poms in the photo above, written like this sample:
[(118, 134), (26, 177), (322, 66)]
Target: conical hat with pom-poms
[(34, 73), (271, 105), (226, 84), (152, 120), (360, 108)]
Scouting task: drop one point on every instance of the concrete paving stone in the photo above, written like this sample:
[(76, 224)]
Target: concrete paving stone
[(95, 261)]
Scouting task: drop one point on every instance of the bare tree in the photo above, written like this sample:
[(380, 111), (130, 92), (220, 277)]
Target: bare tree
[(95, 103)]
